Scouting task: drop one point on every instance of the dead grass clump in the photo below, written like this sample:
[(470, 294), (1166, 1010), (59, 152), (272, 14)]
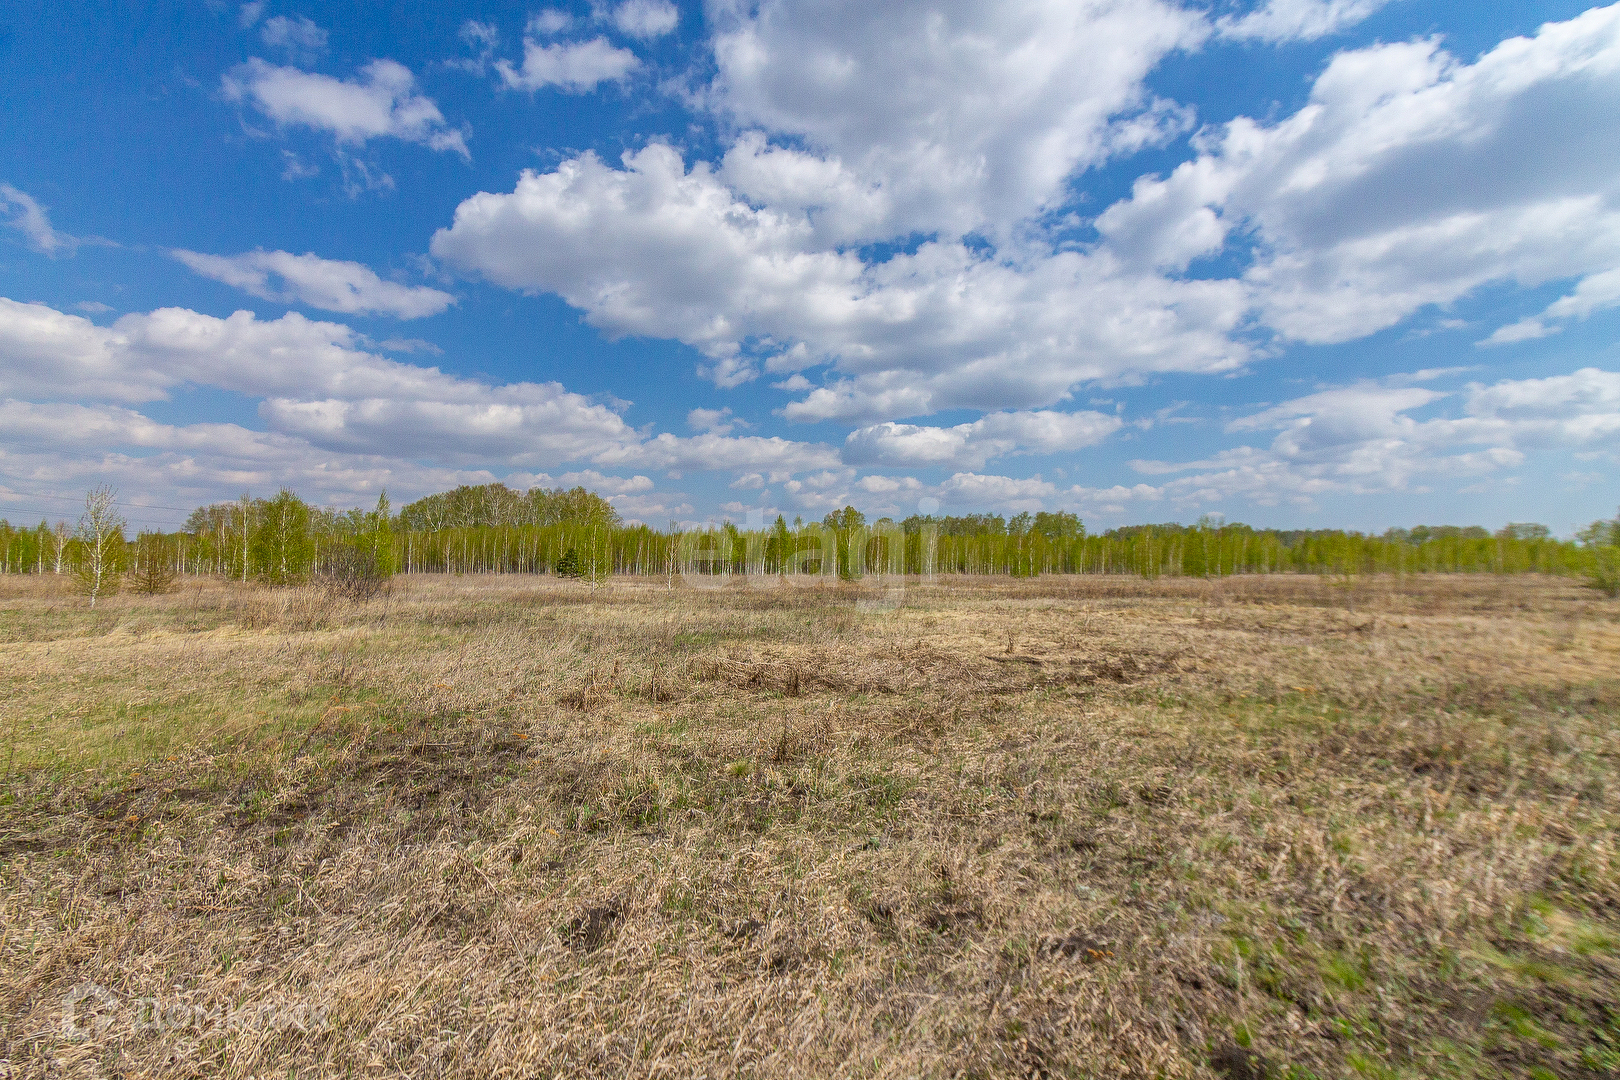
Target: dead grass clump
[(659, 687), (586, 697), (786, 678), (799, 739), (590, 930)]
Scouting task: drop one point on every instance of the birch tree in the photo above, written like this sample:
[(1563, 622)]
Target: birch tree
[(59, 543), (282, 548), (101, 544)]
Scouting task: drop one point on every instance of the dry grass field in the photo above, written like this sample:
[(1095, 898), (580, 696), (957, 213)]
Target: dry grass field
[(488, 827)]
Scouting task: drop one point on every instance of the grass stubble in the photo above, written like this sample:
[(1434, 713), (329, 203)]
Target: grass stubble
[(1063, 827)]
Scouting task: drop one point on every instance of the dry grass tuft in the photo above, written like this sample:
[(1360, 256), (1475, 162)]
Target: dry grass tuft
[(1056, 827)]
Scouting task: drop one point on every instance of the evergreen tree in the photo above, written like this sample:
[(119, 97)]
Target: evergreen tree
[(569, 565)]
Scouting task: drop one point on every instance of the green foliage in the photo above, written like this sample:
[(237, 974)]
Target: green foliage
[(779, 546), (372, 535), (853, 541), (1600, 534), (569, 565), (845, 519), (108, 581), (966, 525), (1601, 541), (496, 506), (281, 550), (1059, 527), (1603, 574)]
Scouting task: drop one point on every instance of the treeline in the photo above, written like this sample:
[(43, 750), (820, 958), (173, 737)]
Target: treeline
[(284, 540), (495, 529), (278, 541), (500, 506)]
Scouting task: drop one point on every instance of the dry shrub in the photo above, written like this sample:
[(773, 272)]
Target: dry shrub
[(153, 572), (353, 572)]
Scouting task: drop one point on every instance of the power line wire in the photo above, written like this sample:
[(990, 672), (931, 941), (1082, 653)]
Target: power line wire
[(7, 442), (75, 499), (64, 498), (58, 511), (45, 514)]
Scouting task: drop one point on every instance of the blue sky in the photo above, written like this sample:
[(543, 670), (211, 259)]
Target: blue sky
[(1304, 263)]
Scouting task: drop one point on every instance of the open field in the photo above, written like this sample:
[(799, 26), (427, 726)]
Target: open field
[(1093, 826)]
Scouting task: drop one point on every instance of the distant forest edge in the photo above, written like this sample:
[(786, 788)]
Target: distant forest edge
[(577, 533)]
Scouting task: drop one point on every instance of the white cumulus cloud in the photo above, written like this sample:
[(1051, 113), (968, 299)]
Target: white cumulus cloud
[(967, 115), (549, 21), (723, 453), (1355, 202), (1346, 213), (329, 284), (971, 445), (318, 386), (1580, 409), (1362, 438), (720, 421), (1296, 20), (1596, 292), (381, 102), (73, 447), (646, 18), (576, 67), (648, 249), (970, 489), (297, 35), (658, 250)]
